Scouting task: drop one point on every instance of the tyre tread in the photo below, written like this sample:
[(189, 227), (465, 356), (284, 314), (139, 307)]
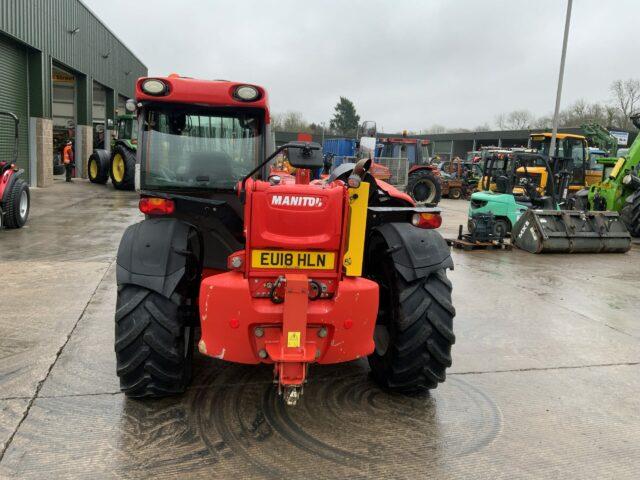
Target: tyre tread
[(420, 353), (149, 344)]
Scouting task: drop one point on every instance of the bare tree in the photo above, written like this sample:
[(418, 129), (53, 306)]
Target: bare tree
[(545, 122), (520, 119), (436, 128), (485, 127), (289, 122), (516, 120), (611, 116), (626, 96)]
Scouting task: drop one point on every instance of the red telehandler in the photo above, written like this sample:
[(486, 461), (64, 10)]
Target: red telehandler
[(267, 271), (14, 191)]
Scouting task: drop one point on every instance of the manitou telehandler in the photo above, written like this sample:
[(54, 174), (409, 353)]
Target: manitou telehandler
[(269, 269)]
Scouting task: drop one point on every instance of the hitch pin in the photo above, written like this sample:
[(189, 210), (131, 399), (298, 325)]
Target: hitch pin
[(291, 395)]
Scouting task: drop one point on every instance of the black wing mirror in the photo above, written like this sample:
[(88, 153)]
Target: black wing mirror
[(305, 155)]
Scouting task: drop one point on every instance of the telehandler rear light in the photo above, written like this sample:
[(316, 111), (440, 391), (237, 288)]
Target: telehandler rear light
[(156, 206), (426, 220)]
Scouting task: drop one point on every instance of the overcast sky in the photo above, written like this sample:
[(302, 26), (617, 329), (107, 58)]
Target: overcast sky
[(405, 64)]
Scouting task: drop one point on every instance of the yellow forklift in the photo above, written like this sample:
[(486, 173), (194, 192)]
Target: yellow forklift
[(569, 146)]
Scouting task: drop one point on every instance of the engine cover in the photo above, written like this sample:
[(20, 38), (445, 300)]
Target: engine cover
[(297, 217)]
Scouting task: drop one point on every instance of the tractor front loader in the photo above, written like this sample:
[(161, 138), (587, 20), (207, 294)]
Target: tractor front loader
[(269, 269), (619, 188)]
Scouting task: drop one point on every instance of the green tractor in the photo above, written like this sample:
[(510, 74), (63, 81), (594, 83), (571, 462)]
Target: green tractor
[(619, 188), (120, 165)]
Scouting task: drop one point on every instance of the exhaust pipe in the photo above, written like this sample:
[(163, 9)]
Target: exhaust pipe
[(631, 181)]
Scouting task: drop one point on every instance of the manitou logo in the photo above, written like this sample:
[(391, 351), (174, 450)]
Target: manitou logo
[(296, 201)]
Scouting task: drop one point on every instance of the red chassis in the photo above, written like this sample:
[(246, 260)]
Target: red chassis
[(324, 316)]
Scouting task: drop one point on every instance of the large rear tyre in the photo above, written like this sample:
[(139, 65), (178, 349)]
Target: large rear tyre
[(424, 187), (414, 328), (154, 345), (630, 215), (122, 171), (18, 205), (98, 167)]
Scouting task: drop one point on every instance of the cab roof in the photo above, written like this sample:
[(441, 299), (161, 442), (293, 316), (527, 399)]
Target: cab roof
[(560, 136), (214, 93)]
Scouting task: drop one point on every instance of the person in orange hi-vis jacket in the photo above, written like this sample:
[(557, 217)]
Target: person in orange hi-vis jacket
[(67, 159)]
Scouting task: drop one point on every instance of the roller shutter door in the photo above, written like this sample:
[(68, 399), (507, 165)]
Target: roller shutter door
[(14, 98)]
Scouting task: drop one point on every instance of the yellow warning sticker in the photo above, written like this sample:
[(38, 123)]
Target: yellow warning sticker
[(293, 339)]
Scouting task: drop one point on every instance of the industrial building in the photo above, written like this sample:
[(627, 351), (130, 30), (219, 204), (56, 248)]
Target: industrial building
[(448, 145), (65, 75)]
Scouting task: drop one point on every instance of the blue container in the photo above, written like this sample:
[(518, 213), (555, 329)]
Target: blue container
[(340, 147)]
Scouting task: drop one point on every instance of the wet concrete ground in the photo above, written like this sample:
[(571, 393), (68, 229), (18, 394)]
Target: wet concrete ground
[(545, 381)]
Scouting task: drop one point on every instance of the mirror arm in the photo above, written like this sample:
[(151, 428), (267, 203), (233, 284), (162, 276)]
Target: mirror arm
[(307, 147)]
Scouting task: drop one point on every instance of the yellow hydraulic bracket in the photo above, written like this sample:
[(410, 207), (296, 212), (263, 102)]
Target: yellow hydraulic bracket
[(616, 169), (358, 204)]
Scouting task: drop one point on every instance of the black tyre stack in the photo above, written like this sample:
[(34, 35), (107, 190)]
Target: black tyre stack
[(99, 160)]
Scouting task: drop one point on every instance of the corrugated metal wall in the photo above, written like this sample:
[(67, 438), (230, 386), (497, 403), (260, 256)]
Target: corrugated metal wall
[(13, 98), (46, 24)]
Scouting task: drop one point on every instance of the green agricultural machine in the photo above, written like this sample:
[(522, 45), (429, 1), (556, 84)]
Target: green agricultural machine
[(120, 164), (511, 184), (524, 194), (619, 189)]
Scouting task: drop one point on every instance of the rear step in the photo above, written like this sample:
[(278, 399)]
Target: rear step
[(570, 231)]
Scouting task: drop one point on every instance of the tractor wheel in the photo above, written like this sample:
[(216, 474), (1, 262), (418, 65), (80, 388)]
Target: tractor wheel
[(98, 168), (501, 227), (414, 328), (630, 215), (122, 171), (455, 193), (154, 347), (424, 187), (18, 203)]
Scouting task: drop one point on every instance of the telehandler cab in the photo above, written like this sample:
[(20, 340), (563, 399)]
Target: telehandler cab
[(263, 269)]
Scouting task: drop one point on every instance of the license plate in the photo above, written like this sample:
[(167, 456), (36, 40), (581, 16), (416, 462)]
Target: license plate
[(292, 259)]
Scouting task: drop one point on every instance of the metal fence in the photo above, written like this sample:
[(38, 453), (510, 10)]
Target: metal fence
[(398, 168)]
